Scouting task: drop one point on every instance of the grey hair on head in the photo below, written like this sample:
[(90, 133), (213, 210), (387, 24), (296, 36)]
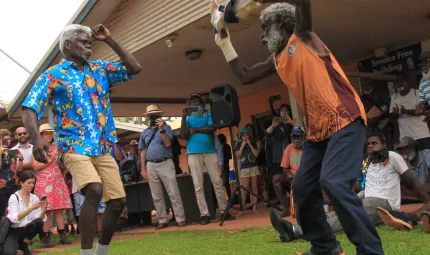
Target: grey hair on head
[(282, 13), (70, 31)]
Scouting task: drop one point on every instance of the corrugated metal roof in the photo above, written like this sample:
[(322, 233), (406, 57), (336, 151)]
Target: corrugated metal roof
[(138, 23)]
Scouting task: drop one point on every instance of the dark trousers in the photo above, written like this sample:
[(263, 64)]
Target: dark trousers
[(16, 236), (5, 194), (333, 165)]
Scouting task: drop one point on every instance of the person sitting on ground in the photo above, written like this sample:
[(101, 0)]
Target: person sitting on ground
[(424, 88), (247, 151), (290, 164), (382, 193), (26, 213), (404, 108), (418, 162)]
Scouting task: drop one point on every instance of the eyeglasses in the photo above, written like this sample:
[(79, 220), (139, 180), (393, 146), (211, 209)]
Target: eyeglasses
[(21, 134)]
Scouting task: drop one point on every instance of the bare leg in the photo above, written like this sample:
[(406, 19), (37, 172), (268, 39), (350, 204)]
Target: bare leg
[(47, 223), (87, 219), (110, 219), (59, 219), (280, 192), (254, 188)]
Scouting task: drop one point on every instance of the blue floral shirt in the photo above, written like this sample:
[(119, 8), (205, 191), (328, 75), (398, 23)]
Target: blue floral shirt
[(79, 103)]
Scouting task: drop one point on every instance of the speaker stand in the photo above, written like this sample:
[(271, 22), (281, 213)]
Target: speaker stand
[(239, 187)]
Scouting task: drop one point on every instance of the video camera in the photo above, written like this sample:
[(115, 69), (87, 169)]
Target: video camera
[(230, 13)]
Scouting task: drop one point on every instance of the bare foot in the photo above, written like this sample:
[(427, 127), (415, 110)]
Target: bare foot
[(255, 211), (239, 214)]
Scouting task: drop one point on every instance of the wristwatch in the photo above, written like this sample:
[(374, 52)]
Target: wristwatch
[(162, 131)]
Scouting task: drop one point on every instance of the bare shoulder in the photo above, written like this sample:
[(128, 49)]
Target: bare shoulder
[(313, 42)]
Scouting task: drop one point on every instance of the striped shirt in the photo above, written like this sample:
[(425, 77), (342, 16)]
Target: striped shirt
[(424, 95)]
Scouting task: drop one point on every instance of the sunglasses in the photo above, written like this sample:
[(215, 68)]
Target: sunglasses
[(21, 134)]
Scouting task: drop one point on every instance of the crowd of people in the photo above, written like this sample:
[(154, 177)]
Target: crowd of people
[(316, 168)]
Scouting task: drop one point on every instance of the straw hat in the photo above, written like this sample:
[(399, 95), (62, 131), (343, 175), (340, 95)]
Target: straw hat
[(133, 142), (152, 109), (45, 127)]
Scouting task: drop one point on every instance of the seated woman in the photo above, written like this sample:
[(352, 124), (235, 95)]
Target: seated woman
[(27, 214)]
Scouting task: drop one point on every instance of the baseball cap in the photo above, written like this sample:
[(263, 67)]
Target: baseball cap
[(298, 130)]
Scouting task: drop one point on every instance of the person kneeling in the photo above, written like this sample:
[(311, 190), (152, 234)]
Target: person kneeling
[(26, 213)]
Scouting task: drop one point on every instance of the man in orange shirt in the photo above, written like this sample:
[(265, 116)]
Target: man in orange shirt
[(290, 164), (335, 123)]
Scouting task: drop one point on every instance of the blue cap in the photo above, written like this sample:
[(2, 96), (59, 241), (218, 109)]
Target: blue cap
[(298, 130)]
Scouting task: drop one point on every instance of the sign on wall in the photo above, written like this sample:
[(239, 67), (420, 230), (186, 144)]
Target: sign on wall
[(398, 61)]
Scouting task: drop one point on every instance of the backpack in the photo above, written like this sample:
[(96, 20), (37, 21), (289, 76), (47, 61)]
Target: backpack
[(129, 171)]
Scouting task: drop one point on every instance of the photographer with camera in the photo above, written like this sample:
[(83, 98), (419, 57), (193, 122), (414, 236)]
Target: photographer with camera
[(11, 162), (157, 166), (279, 137)]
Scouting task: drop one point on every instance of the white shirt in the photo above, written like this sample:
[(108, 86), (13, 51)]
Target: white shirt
[(15, 206), (411, 126), (27, 152), (384, 181)]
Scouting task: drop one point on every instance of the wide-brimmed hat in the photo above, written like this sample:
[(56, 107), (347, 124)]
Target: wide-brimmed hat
[(45, 127), (407, 142), (152, 109), (133, 142)]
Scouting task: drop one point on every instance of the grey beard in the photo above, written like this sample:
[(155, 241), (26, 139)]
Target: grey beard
[(274, 42)]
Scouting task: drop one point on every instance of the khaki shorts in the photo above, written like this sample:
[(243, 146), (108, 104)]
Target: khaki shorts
[(95, 169)]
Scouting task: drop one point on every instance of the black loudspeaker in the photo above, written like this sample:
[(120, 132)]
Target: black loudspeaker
[(224, 106)]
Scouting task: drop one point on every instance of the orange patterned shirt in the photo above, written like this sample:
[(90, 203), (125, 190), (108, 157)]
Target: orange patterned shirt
[(320, 87)]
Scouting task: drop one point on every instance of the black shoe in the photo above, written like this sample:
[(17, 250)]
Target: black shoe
[(336, 251), (229, 217), (24, 248), (204, 220), (284, 228)]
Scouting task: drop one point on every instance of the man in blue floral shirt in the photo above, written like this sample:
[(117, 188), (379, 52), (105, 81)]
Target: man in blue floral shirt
[(76, 91)]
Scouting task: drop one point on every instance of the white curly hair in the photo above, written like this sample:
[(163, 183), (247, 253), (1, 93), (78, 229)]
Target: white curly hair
[(280, 13), (70, 31)]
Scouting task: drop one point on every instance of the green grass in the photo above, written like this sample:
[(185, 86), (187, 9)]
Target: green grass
[(252, 241)]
